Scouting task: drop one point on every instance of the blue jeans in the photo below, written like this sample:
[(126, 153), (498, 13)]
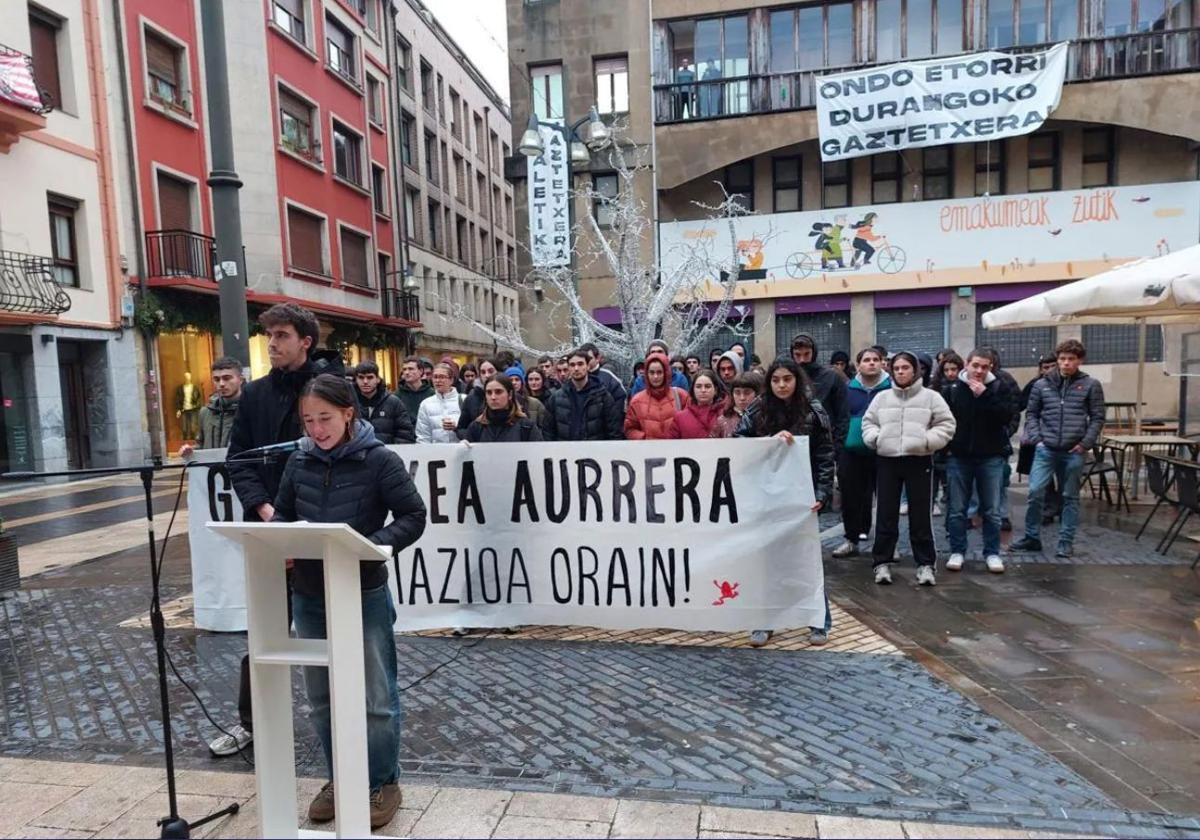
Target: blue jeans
[(383, 696), (1067, 467), (984, 475), (1004, 485)]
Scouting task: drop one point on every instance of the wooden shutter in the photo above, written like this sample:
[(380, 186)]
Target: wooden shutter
[(304, 233), (161, 59), (43, 39), (354, 258), (174, 203)]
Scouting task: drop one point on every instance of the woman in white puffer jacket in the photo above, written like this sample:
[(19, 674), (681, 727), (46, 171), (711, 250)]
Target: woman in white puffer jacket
[(905, 426)]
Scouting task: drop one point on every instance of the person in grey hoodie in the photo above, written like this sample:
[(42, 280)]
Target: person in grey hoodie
[(729, 368)]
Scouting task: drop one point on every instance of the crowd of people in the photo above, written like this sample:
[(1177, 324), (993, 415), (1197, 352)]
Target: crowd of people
[(890, 434)]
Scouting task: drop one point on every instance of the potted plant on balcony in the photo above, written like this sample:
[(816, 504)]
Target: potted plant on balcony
[(10, 569)]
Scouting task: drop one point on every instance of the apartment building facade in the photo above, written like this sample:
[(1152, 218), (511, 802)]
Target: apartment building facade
[(1113, 171)]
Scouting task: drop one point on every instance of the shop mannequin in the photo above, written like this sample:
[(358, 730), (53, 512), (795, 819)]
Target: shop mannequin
[(189, 398)]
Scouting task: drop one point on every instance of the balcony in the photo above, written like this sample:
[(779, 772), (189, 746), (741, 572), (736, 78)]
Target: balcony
[(1089, 60), (27, 285), (401, 305), (180, 253), (23, 102)]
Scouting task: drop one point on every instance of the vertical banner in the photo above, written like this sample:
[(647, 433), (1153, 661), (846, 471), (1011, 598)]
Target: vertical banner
[(549, 194), (963, 99), (218, 571)]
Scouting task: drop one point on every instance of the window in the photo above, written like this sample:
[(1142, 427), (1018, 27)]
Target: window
[(340, 45), (371, 15), (1098, 157), (1064, 20), (43, 49), (1017, 348), (989, 168), (174, 202), (296, 126), (347, 154), (739, 183), (785, 179), (435, 213), (404, 63), (1000, 30), (441, 100), (411, 199), (716, 53), (431, 167), (905, 28), (379, 190), (606, 188), (612, 85), (547, 91), (408, 127), (937, 173), (164, 69), (63, 248), (811, 37), (886, 170), (289, 16), (354, 258), (384, 266), (443, 292), (1110, 344), (375, 100), (835, 184), (455, 125), (462, 243), (427, 87), (1043, 162), (305, 236)]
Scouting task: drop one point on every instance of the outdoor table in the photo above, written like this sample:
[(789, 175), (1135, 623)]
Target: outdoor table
[(1120, 415), (1121, 445)]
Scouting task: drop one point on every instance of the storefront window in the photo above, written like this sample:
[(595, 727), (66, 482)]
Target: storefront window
[(16, 444), (185, 362)]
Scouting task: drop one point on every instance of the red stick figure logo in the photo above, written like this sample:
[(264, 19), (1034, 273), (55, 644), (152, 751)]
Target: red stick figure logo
[(727, 590)]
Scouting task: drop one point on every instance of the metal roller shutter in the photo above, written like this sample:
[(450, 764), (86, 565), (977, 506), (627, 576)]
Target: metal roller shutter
[(918, 330), (742, 331), (831, 331), (1017, 348)]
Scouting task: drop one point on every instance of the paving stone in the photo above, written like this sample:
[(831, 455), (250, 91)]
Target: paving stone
[(720, 835), (852, 828), (24, 802), (58, 772), (562, 806), (462, 813), (938, 831), (142, 819), (401, 825), (515, 826), (105, 801), (240, 786), (636, 818), (32, 831), (416, 797), (779, 823)]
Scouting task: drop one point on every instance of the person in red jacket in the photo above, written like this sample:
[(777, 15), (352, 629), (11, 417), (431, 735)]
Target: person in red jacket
[(700, 418), (650, 411)]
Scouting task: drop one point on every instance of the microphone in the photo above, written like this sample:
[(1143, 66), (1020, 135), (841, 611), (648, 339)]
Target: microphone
[(265, 451)]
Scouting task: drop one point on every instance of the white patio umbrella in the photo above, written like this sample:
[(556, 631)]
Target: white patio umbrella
[(1154, 290)]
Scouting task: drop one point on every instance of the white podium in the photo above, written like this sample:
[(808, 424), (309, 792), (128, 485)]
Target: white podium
[(273, 652)]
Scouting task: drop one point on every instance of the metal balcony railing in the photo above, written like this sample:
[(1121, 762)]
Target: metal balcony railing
[(1089, 59), (27, 284), (398, 303), (19, 90), (180, 253)]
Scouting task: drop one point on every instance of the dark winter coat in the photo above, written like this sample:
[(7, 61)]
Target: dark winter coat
[(829, 387), (981, 423), (388, 416), (858, 399), (216, 422), (613, 385), (1065, 413), (822, 455), (412, 399), (473, 404), (359, 483), (522, 431), (268, 413), (587, 414)]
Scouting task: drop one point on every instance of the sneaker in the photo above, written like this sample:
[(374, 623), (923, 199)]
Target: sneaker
[(955, 562), (925, 576), (758, 638), (385, 802), (937, 509), (995, 564), (904, 509), (863, 537), (1064, 551), (460, 631), (232, 742), (818, 636), (846, 549), (883, 573), (320, 810), (1006, 524), (1025, 544)]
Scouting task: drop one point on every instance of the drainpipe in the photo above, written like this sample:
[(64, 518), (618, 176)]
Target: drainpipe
[(487, 133)]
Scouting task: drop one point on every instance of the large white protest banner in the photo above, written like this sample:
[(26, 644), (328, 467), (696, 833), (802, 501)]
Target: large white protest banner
[(693, 535), (963, 99)]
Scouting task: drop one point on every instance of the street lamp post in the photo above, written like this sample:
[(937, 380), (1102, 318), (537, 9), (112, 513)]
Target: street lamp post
[(596, 137)]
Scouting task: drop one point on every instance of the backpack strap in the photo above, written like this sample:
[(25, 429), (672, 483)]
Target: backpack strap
[(678, 403)]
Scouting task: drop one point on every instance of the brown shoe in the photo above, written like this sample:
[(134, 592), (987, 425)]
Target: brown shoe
[(385, 802), (320, 810)]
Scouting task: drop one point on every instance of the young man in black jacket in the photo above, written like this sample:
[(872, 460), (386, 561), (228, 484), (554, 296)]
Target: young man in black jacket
[(583, 409), (828, 386), (384, 411), (268, 413)]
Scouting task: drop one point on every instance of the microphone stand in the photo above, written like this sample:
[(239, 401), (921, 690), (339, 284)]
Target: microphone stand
[(171, 825)]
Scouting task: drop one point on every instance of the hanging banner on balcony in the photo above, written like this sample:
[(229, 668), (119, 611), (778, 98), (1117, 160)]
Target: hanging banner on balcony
[(964, 99), (549, 194)]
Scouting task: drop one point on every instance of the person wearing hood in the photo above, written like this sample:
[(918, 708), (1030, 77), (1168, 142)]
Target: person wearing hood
[(840, 362), (216, 418), (983, 410), (651, 411), (384, 411), (530, 406), (440, 418), (905, 426), (678, 378), (827, 386), (743, 393), (704, 410), (473, 403), (856, 461), (414, 388), (502, 421), (343, 473), (583, 408), (729, 367)]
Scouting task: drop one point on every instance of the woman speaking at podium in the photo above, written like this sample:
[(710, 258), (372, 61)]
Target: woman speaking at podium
[(342, 473)]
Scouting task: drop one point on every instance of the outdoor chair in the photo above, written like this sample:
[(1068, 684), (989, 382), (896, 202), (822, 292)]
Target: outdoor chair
[(1159, 480), (1099, 468), (1187, 484)]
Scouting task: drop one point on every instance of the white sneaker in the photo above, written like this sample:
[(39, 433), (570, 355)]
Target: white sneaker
[(995, 564), (925, 576), (904, 509), (937, 509), (883, 573), (846, 549), (954, 563), (232, 743)]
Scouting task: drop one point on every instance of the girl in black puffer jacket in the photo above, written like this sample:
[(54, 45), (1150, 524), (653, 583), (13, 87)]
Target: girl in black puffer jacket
[(502, 421), (342, 473)]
